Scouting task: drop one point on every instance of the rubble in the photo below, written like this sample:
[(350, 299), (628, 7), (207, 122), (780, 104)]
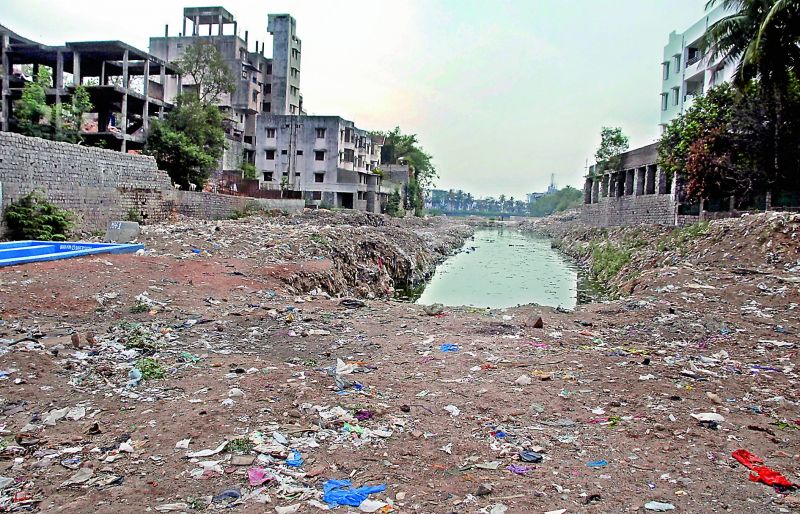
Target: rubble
[(238, 389)]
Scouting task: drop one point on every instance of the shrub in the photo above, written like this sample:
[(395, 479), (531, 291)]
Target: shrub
[(33, 217), (150, 368)]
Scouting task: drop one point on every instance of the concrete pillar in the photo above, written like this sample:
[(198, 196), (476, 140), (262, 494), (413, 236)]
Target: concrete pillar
[(219, 20), (629, 179), (58, 80), (76, 68), (661, 181), (196, 27), (595, 190), (163, 79), (608, 185), (587, 191), (103, 77), (5, 94), (125, 84), (650, 179), (638, 181), (146, 92)]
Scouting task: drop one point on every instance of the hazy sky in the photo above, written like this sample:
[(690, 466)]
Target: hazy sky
[(502, 93)]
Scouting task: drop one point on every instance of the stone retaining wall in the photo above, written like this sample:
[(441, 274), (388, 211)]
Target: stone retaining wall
[(631, 210), (102, 185)]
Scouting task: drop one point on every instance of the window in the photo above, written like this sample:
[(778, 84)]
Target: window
[(284, 152), (255, 96), (267, 176), (349, 155), (665, 65), (320, 133), (677, 62), (664, 101), (270, 155), (267, 107), (270, 133), (267, 89), (295, 72), (348, 135), (293, 90), (319, 177), (675, 95), (362, 195), (285, 174), (299, 152), (316, 195), (269, 69), (319, 155), (255, 81)]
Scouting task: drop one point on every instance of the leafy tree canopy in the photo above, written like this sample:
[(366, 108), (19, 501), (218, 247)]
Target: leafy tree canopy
[(613, 143), (558, 201), (189, 143), (203, 64)]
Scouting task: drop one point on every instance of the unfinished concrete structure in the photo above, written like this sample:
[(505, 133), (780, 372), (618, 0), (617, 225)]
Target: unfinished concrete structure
[(328, 158), (637, 192), (126, 85), (263, 84)]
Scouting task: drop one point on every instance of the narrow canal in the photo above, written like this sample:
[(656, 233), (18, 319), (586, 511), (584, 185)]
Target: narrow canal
[(503, 268)]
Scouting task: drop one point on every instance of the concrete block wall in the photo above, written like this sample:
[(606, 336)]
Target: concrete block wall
[(102, 185), (631, 210)]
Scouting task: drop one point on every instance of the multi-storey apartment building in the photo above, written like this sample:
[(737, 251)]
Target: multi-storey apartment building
[(263, 84), (687, 70), (328, 158)]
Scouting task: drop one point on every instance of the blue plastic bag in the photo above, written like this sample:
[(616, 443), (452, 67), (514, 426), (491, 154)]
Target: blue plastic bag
[(342, 492), (295, 460), (448, 347)]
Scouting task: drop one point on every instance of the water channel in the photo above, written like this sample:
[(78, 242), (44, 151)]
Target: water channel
[(501, 268)]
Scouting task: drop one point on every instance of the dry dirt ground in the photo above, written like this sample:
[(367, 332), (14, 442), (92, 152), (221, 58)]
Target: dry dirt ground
[(605, 394)]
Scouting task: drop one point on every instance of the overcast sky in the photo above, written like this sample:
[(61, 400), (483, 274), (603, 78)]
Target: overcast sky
[(502, 93)]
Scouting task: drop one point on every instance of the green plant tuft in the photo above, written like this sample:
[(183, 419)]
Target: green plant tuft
[(33, 217), (150, 368)]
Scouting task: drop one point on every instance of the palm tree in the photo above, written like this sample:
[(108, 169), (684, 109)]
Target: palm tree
[(763, 36), (502, 202)]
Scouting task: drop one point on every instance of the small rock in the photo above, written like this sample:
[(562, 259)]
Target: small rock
[(538, 323), (483, 490)]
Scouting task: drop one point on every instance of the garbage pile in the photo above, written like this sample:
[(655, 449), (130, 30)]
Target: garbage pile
[(355, 254), (191, 382)]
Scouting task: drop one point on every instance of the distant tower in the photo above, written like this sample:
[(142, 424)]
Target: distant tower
[(552, 187)]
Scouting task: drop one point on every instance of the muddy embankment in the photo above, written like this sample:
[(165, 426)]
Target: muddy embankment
[(629, 259), (339, 253)]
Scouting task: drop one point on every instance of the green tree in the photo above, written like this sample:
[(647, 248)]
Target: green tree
[(399, 147), (210, 75), (249, 171), (763, 36), (561, 200), (61, 122), (189, 143), (31, 110), (613, 143), (394, 204)]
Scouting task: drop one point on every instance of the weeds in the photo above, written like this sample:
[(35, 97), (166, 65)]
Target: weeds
[(139, 307), (240, 445), (678, 238), (150, 368), (608, 260)]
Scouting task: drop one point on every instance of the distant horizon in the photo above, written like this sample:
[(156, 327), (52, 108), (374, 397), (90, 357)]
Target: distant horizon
[(501, 97)]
